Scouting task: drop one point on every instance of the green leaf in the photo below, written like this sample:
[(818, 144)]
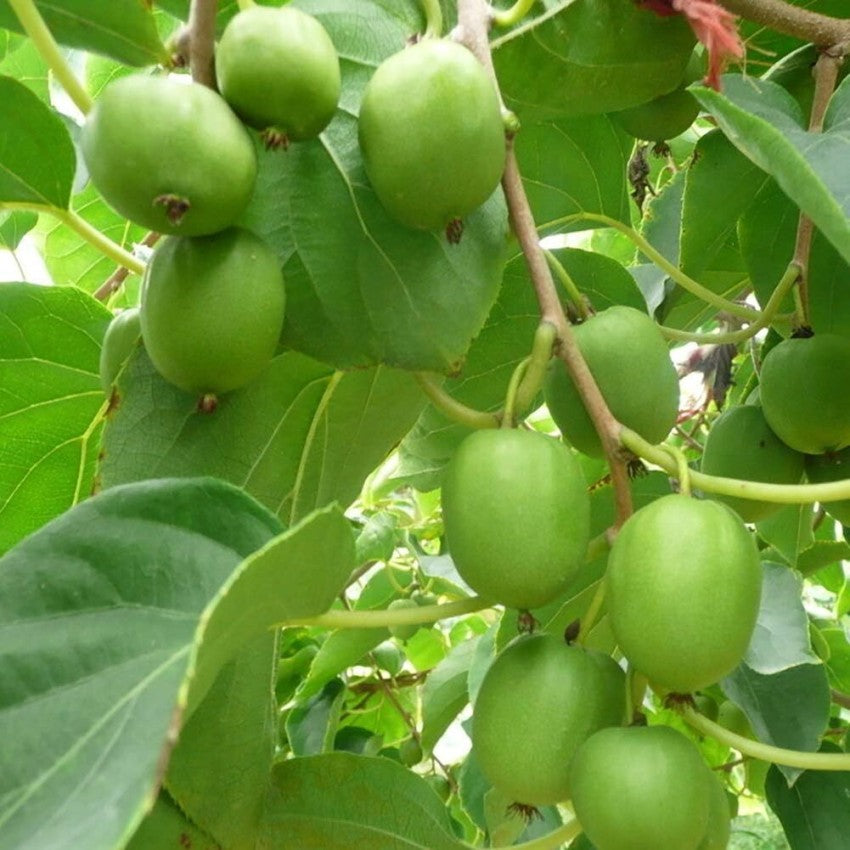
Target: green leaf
[(838, 665), (814, 812), (763, 121), (445, 693), (361, 288), (781, 636), (70, 259), (822, 554), (37, 158), (166, 826), (788, 709), (590, 57), (14, 226), (299, 437), (311, 726), (23, 62), (574, 165), (50, 397), (122, 29), (789, 531), (220, 768), (339, 801), (99, 615)]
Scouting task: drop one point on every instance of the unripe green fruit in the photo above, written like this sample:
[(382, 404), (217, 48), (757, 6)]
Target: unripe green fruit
[(802, 383), (118, 343), (410, 752), (719, 826), (278, 68), (628, 357), (684, 585), (835, 466), (538, 702), (408, 630), (516, 514), (742, 445), (212, 310), (641, 788), (667, 116), (431, 134), (171, 157)]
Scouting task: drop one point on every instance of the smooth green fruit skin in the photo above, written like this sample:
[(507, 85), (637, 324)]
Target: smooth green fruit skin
[(803, 392), (118, 343), (516, 515), (150, 137), (641, 788), (212, 310), (538, 702), (683, 589), (431, 134), (278, 68), (628, 357), (835, 466), (407, 631), (719, 827), (742, 445)]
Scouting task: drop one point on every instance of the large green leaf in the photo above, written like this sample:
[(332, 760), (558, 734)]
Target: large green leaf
[(166, 826), (117, 617), (577, 57), (763, 121), (123, 29), (362, 289), (339, 801), (23, 62), (300, 436), (50, 397), (14, 226), (37, 158)]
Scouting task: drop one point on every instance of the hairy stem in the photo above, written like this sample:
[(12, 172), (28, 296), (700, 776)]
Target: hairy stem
[(372, 619), (34, 26), (452, 408), (778, 15), (472, 30), (785, 494), (766, 752), (202, 41)]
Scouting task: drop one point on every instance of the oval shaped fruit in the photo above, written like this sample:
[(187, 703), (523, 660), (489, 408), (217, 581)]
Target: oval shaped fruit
[(278, 69), (169, 156), (683, 591), (802, 383), (719, 827), (212, 310), (516, 515), (431, 134), (667, 116), (741, 444), (118, 343), (405, 631), (834, 466), (641, 788), (628, 357), (538, 702)]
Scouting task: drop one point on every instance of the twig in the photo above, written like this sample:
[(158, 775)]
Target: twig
[(821, 30), (114, 281), (473, 19), (202, 41)]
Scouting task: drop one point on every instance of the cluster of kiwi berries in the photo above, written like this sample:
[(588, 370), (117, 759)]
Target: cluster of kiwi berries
[(683, 588), (212, 304)]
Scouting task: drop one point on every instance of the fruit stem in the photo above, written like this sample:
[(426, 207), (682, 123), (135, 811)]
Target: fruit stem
[(569, 284), (451, 407), (588, 621), (675, 274), (202, 41), (509, 17), (97, 239), (765, 752), (771, 310), (433, 18), (821, 30), (784, 494), (683, 472), (34, 26), (552, 841), (509, 415), (538, 361), (371, 619)]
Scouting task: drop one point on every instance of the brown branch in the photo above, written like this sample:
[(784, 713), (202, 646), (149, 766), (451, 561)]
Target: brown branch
[(826, 77), (202, 41), (821, 30), (840, 699), (114, 281), (473, 20)]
